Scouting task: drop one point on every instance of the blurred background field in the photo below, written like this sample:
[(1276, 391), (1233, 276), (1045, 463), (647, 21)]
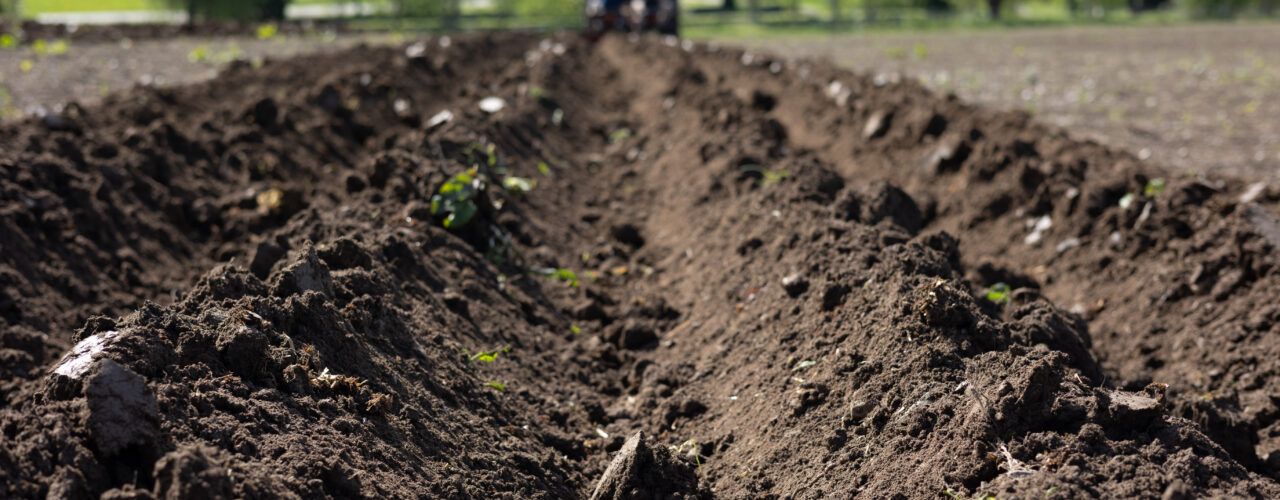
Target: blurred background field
[(700, 17)]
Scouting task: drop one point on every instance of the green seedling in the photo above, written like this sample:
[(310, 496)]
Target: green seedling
[(767, 177), (26, 65), (518, 185), (575, 329), (693, 447), (491, 155), (59, 47), (8, 41), (486, 356), (536, 92), (1153, 188), (999, 293), (544, 169), (921, 51), (619, 135), (267, 31), (40, 46), (198, 54), (497, 385), (803, 364), (456, 199), (562, 274)]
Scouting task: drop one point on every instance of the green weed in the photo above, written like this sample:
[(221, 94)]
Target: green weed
[(198, 54), (485, 356), (694, 448), (518, 185), (267, 31), (497, 385), (1153, 188), (999, 293), (562, 274), (455, 199), (767, 177), (921, 51)]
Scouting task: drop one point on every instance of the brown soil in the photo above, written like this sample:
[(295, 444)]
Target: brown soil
[(781, 274)]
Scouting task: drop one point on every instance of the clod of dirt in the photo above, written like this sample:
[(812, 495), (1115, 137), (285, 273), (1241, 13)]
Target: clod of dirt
[(264, 256), (588, 310), (641, 471), (940, 304), (635, 335), (306, 274), (192, 472), (947, 156), (877, 202), (763, 101), (834, 295), (1135, 408), (121, 411), (877, 125), (627, 234), (859, 410), (243, 349), (795, 284), (265, 113)]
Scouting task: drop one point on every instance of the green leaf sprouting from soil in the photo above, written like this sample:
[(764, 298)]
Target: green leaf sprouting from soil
[(803, 364), (518, 185), (562, 274), (768, 177), (998, 293), (497, 385), (454, 199), (267, 31), (1153, 188), (487, 356), (619, 135)]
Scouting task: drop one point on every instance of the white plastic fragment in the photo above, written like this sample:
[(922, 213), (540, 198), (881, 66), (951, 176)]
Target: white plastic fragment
[(492, 105), (439, 119), (1038, 227)]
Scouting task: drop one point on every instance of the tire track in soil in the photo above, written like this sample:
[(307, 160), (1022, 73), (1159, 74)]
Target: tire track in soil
[(818, 332)]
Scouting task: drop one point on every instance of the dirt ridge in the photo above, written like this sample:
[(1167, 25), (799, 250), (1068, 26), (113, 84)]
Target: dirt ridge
[(780, 272)]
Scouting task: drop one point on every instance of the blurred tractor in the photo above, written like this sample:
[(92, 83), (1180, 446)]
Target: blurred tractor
[(630, 16)]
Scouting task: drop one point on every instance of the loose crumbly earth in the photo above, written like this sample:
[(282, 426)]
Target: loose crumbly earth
[(778, 289)]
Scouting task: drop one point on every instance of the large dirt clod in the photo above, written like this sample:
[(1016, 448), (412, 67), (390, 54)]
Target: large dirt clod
[(641, 471)]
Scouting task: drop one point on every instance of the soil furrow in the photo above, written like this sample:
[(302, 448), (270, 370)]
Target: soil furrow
[(775, 271)]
